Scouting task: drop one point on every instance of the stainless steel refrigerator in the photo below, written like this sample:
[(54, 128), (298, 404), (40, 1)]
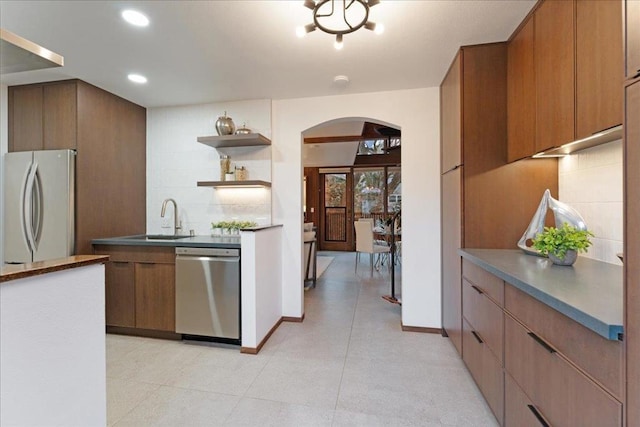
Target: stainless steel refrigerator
[(39, 188)]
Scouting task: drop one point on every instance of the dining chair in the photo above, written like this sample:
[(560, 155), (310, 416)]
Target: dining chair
[(366, 244)]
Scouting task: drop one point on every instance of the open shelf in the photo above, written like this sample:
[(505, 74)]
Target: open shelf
[(235, 184), (245, 140)]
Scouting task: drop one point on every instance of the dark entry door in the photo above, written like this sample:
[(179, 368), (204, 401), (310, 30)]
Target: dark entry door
[(336, 204)]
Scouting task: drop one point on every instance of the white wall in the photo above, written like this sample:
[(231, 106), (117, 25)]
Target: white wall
[(591, 182), (261, 284), (176, 162), (4, 144), (417, 113), (52, 349)]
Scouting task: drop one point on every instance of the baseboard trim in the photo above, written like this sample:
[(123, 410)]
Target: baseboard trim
[(256, 350), (148, 333), (293, 319), (421, 329)]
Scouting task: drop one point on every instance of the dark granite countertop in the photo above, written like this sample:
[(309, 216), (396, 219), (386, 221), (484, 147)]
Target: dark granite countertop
[(228, 242), (589, 292)]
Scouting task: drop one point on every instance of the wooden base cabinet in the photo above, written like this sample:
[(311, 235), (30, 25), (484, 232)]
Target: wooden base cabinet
[(140, 287), (519, 410), (120, 294), (485, 369), (155, 296), (562, 394)]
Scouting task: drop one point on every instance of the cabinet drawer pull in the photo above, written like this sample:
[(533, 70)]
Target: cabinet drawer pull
[(542, 342), (538, 415), (477, 289), (477, 337), (120, 262)]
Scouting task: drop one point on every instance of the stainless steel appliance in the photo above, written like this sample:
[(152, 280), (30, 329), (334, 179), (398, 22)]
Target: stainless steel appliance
[(208, 293), (38, 205)]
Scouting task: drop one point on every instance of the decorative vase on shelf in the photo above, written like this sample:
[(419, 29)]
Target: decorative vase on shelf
[(224, 125), (569, 258)]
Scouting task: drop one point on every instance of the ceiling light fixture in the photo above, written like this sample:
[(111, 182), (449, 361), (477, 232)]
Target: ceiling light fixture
[(136, 18), (338, 21), (137, 78)]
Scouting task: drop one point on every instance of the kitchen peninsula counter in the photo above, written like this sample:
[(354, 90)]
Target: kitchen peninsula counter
[(20, 271), (589, 292)]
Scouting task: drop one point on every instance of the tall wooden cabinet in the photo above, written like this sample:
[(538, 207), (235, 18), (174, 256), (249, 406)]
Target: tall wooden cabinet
[(486, 203), (109, 135), (632, 213)]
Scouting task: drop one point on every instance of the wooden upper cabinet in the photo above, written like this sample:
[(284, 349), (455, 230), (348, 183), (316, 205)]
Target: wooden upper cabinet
[(450, 116), (25, 118), (599, 63), (632, 36), (521, 95), (43, 116), (60, 108), (555, 73)]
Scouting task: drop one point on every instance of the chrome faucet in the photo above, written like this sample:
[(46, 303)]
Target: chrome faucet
[(176, 225)]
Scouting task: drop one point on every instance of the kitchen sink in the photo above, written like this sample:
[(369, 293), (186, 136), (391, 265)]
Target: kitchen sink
[(158, 237)]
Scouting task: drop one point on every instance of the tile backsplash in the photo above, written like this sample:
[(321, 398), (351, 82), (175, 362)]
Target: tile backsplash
[(176, 162), (591, 182)]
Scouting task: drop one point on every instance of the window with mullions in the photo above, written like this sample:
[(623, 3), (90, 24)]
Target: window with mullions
[(368, 147)]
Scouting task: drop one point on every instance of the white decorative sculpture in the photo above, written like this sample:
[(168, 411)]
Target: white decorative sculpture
[(561, 212)]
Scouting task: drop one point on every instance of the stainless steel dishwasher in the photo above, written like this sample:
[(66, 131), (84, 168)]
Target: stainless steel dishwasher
[(208, 293)]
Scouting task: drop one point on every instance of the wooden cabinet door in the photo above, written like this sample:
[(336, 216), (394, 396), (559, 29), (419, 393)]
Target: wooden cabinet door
[(632, 38), (521, 95), (60, 116), (120, 294), (564, 395), (451, 241), (155, 296), (632, 252), (451, 117), (25, 118), (485, 316), (599, 72), (519, 411), (485, 369), (555, 73)]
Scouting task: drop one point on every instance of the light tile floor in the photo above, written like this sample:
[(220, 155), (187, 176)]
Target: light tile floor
[(347, 364)]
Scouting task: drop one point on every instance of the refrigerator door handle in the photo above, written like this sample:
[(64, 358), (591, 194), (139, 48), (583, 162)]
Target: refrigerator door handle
[(27, 207)]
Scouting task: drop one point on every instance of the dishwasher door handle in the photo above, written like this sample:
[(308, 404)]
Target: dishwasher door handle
[(198, 258)]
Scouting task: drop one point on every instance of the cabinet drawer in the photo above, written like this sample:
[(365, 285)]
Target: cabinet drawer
[(564, 395), (485, 316), (519, 411), (485, 369), (600, 357), (485, 281)]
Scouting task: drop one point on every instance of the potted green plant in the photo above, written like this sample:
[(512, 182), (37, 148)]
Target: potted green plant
[(562, 244)]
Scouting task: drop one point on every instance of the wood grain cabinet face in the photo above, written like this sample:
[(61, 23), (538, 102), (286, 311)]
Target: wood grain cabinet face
[(632, 251), (120, 294), (562, 394), (485, 316), (599, 69), (519, 411), (485, 369), (521, 95), (554, 73), (60, 108), (155, 296), (451, 119), (25, 118), (632, 38)]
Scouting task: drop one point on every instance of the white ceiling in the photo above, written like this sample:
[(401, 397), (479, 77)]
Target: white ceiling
[(211, 51)]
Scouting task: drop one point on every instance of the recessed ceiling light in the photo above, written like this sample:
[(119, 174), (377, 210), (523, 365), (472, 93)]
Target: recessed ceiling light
[(136, 18), (137, 78), (341, 80)]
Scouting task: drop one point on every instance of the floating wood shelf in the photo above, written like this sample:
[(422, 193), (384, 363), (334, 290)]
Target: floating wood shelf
[(234, 184), (225, 141)]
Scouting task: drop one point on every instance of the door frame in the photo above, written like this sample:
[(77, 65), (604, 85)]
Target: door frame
[(348, 244)]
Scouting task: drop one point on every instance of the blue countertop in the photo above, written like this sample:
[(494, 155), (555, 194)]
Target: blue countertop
[(589, 292), (227, 242)]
